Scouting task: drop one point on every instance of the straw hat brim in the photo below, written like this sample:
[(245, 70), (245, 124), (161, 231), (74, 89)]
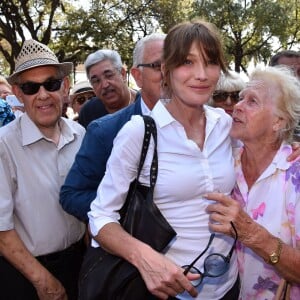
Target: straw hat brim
[(65, 67)]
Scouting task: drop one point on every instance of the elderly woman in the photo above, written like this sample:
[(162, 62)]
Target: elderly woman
[(266, 209), (227, 91)]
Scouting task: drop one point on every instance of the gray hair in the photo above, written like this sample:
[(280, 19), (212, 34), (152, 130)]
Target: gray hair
[(101, 55), (285, 53), (138, 52), (287, 100), (4, 81), (230, 82)]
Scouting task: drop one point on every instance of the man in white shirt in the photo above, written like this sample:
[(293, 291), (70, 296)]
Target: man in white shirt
[(40, 244)]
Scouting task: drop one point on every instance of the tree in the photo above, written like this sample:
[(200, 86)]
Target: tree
[(119, 24), (23, 19), (251, 28), (168, 13), (107, 24)]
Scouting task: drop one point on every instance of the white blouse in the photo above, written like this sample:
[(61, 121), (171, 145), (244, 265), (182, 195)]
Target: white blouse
[(185, 174)]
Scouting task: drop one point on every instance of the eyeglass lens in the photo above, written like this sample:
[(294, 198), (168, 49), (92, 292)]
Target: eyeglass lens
[(156, 66), (215, 264), (31, 88), (107, 75), (222, 96)]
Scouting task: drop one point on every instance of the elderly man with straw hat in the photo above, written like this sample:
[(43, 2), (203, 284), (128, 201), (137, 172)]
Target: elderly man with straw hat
[(40, 245)]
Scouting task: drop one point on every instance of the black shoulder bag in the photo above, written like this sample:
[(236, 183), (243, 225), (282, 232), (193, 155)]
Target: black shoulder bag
[(107, 277)]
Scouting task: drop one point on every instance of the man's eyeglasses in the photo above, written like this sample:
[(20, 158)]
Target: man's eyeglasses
[(107, 75), (215, 264), (220, 96), (156, 66), (31, 88)]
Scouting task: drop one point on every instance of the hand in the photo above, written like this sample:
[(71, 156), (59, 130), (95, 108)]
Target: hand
[(296, 151), (164, 278), (49, 288), (227, 210)]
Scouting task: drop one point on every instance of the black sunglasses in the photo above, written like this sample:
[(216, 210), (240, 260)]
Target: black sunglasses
[(82, 99), (31, 88), (156, 66), (219, 96), (215, 264)]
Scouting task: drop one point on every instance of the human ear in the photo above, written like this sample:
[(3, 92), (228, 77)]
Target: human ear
[(66, 86), (136, 74), (279, 124)]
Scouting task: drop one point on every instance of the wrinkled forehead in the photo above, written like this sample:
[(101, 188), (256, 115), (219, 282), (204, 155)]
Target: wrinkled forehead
[(255, 84), (263, 88)]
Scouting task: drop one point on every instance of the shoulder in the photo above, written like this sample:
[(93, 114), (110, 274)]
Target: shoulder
[(93, 107), (73, 126), (218, 116), (219, 112), (132, 130), (94, 101), (91, 110), (10, 137), (3, 103), (114, 122), (10, 129)]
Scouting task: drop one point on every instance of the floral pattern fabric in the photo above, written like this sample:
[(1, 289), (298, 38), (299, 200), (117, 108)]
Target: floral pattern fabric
[(274, 202), (6, 114)]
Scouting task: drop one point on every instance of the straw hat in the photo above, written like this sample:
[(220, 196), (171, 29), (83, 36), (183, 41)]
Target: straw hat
[(34, 54), (81, 88)]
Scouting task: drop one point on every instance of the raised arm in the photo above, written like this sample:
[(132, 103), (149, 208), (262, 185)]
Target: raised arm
[(253, 235)]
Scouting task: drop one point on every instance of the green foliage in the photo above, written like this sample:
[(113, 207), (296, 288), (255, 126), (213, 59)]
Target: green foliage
[(252, 30), (108, 24), (25, 19), (169, 13)]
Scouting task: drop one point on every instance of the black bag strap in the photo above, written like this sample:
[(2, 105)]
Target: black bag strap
[(150, 130)]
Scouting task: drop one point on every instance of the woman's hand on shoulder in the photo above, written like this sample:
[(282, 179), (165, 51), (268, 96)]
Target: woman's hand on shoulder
[(296, 152)]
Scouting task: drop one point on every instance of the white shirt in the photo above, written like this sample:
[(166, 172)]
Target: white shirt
[(32, 171), (144, 108), (185, 174)]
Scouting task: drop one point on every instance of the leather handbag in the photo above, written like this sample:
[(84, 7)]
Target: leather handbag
[(108, 277)]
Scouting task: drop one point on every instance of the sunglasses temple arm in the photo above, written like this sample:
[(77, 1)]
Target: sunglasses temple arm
[(199, 256), (228, 257), (234, 243)]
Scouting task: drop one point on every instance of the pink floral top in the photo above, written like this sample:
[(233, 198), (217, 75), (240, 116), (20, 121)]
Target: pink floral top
[(274, 202)]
